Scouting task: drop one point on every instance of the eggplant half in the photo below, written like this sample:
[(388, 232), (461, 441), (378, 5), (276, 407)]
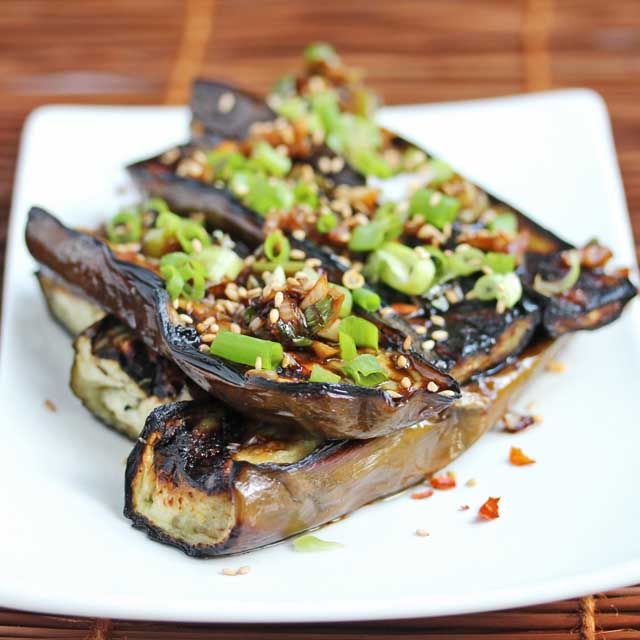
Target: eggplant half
[(71, 310), (137, 296), (211, 482), (120, 380)]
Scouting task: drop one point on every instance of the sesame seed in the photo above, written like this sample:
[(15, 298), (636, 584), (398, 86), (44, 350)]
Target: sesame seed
[(538, 419), (258, 363), (274, 316), (435, 198), (324, 164), (432, 386), (203, 348), (438, 320), (428, 345), (279, 299), (214, 328), (176, 303), (185, 318), (385, 311), (500, 306), (244, 570), (447, 393), (299, 234), (229, 572), (207, 337), (394, 394), (235, 328), (471, 482), (452, 296), (312, 263), (50, 406), (337, 164), (405, 382), (254, 293), (231, 291), (402, 362), (197, 245), (242, 292), (298, 254), (406, 345), (255, 324), (440, 335), (226, 102), (200, 327), (421, 330), (352, 279), (169, 157), (422, 533)]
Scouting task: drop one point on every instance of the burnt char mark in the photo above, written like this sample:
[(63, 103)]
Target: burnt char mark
[(595, 300)]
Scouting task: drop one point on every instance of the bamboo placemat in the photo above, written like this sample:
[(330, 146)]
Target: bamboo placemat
[(146, 52)]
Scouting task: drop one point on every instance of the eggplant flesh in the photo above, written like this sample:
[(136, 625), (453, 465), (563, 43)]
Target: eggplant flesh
[(137, 296), (210, 482), (605, 300), (120, 380), (71, 310)]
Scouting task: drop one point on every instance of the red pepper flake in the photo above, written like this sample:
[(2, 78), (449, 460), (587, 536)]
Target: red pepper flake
[(518, 457), (50, 406), (404, 309), (489, 510), (463, 507), (421, 495), (444, 482)]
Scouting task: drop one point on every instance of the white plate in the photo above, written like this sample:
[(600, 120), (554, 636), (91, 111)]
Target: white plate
[(570, 524)]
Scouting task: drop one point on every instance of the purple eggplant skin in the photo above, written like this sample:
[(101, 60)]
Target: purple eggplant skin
[(194, 480), (138, 298)]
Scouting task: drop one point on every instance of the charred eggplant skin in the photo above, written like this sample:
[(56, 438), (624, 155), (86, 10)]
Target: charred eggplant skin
[(137, 297), (187, 485)]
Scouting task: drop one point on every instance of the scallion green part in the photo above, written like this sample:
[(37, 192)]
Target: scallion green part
[(500, 262), (347, 300), (348, 350), (320, 374), (507, 222), (367, 237), (365, 371), (321, 52), (190, 230), (271, 160), (363, 332), (277, 247), (310, 544), (184, 276), (220, 263), (242, 349), (554, 287), (366, 299), (290, 267), (505, 288), (441, 172), (326, 222), (435, 207), (125, 226)]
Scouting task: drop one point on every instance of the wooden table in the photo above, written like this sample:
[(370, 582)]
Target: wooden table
[(146, 52)]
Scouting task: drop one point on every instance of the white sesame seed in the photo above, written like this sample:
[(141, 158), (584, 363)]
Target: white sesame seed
[(299, 234), (255, 324), (394, 394), (207, 337), (438, 321), (312, 263), (226, 102), (203, 348), (197, 245), (244, 570), (405, 382), (274, 316), (422, 533), (440, 335), (298, 254), (447, 393), (279, 299), (324, 164), (471, 482), (500, 306), (337, 164), (229, 572), (402, 362), (254, 293), (235, 328), (231, 291), (185, 318), (432, 386), (428, 345), (406, 345), (421, 330), (435, 198)]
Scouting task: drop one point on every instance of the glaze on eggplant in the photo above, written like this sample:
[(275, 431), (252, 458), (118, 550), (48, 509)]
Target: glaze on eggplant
[(137, 296), (120, 380), (205, 480)]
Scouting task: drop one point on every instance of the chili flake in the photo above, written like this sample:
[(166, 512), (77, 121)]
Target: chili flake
[(489, 510), (518, 458), (421, 495), (444, 482)]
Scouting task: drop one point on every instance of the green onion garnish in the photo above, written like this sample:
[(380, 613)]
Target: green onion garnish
[(435, 207), (220, 263), (367, 237), (320, 374), (271, 160), (306, 193), (500, 262), (503, 288), (366, 299), (156, 204), (184, 275), (392, 219), (401, 268), (348, 350), (506, 222), (266, 195), (277, 247), (326, 222), (464, 261), (306, 544), (290, 267), (242, 349), (321, 52), (190, 230), (554, 287), (363, 332), (441, 171), (124, 227), (365, 371), (156, 242), (347, 301)]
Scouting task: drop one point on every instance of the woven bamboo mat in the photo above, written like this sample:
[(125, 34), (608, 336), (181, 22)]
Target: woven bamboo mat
[(146, 52)]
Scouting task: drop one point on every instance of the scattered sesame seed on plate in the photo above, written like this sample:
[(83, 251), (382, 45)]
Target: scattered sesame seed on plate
[(422, 533)]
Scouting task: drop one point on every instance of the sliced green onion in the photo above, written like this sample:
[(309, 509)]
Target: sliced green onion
[(370, 162), (156, 204), (247, 349), (392, 219), (268, 194), (169, 221), (277, 247), (435, 207), (184, 275), (401, 268), (156, 242), (347, 300), (321, 52), (307, 544), (500, 262), (293, 108), (290, 267), (505, 288), (441, 171), (367, 237), (348, 350), (464, 261), (190, 230), (225, 164), (363, 332), (320, 374), (306, 193), (554, 287), (366, 299), (506, 222), (220, 263), (326, 222), (365, 371), (271, 160), (124, 227)]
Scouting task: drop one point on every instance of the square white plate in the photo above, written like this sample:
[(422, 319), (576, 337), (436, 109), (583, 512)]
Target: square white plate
[(569, 524)]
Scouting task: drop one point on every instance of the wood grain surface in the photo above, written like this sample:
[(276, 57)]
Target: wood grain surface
[(146, 52)]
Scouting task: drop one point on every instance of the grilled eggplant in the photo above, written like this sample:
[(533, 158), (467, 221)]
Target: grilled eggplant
[(71, 310), (120, 380), (137, 296), (205, 480)]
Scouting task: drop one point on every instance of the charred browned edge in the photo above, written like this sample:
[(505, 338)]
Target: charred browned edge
[(288, 489), (137, 297)]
